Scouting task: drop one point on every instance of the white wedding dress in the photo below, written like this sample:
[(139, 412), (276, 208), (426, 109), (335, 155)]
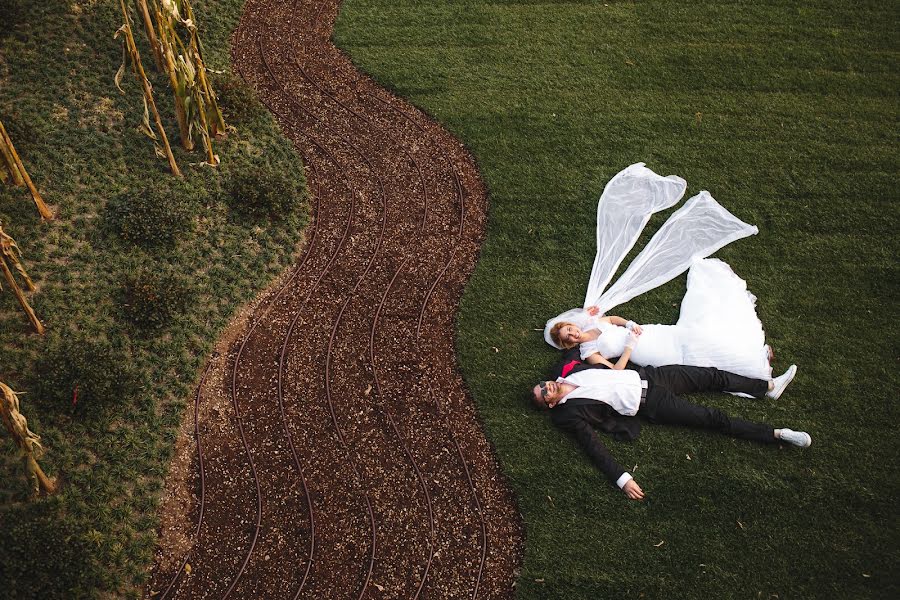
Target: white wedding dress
[(718, 326)]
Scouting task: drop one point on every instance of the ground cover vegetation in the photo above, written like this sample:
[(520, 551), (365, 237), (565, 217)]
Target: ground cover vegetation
[(136, 278), (787, 113)]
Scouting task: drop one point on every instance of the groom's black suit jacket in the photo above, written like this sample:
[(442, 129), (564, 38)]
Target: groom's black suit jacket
[(580, 416)]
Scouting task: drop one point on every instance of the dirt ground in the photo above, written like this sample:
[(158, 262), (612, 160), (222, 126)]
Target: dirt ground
[(334, 451)]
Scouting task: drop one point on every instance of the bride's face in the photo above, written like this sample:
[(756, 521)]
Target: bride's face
[(569, 334)]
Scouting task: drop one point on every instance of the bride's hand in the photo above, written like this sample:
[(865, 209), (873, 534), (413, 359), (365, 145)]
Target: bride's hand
[(637, 329), (632, 339), (592, 310)]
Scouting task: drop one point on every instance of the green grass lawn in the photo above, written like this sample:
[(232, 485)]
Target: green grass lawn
[(787, 112), (80, 141)]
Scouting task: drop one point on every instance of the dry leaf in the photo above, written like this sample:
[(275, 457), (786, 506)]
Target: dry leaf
[(659, 544)]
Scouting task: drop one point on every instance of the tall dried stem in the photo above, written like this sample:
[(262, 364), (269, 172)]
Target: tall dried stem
[(19, 168), (131, 52), (11, 166), (28, 442), (169, 42), (151, 35), (211, 104), (9, 255)]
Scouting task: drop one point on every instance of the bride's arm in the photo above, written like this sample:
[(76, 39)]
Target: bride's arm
[(593, 311), (598, 359), (630, 325)]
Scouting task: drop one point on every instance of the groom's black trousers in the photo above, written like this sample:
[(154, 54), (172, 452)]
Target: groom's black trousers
[(664, 406)]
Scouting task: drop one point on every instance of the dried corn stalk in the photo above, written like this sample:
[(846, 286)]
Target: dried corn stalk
[(130, 51), (9, 255), (17, 172), (28, 442), (151, 34), (196, 106), (217, 121), (170, 45)]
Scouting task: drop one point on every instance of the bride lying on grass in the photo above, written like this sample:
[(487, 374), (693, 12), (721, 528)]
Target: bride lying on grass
[(717, 327)]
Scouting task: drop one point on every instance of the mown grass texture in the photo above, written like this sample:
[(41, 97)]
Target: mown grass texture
[(78, 137), (787, 113)]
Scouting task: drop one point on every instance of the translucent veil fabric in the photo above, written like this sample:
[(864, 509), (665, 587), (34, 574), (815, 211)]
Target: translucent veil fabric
[(695, 231), (627, 203)]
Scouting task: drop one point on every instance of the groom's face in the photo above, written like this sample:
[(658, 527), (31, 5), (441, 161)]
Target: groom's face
[(547, 394)]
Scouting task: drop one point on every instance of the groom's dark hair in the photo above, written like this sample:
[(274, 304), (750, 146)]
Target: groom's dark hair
[(533, 401)]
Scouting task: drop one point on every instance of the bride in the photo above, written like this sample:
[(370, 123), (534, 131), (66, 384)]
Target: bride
[(717, 326), (719, 329)]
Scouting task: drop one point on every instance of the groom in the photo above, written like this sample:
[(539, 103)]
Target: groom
[(606, 398)]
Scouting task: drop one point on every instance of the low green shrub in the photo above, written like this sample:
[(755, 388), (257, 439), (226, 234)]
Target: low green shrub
[(158, 215), (237, 100), (259, 191), (151, 296), (101, 370)]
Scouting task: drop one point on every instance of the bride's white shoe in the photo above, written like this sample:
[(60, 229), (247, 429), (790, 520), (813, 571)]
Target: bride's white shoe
[(781, 382)]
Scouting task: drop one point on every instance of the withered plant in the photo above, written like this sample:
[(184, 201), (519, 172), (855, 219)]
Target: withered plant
[(130, 54), (10, 259), (28, 442), (15, 173)]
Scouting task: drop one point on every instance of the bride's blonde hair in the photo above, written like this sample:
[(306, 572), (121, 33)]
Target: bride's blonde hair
[(554, 335)]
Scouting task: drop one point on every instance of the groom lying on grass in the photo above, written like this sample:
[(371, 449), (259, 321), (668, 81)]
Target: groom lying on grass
[(589, 396)]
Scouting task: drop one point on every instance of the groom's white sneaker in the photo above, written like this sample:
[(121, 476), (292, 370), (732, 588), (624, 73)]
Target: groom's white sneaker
[(797, 438), (781, 382)]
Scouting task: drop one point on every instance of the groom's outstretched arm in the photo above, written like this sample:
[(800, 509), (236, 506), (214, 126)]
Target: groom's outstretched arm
[(569, 419)]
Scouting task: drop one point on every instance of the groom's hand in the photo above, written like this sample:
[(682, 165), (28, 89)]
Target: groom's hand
[(633, 490), (592, 310)]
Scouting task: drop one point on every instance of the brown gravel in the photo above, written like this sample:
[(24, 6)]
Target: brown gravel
[(342, 456)]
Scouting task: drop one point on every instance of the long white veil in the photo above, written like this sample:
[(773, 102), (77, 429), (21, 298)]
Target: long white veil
[(694, 231), (627, 203)]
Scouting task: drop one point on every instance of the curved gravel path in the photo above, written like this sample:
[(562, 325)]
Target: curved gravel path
[(334, 451)]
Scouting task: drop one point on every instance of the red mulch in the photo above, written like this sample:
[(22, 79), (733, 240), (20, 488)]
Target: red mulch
[(342, 456)]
